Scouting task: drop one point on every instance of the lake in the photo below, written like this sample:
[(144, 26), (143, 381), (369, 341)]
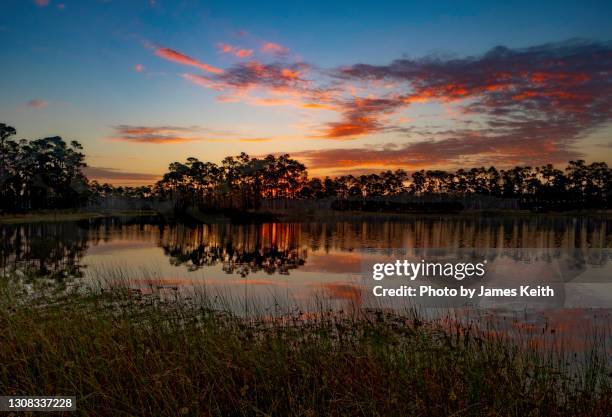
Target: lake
[(280, 266)]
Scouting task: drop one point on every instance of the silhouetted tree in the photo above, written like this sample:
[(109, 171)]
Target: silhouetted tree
[(43, 173), (47, 173), (239, 182)]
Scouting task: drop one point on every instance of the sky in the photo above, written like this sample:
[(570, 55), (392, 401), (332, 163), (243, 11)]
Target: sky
[(343, 86)]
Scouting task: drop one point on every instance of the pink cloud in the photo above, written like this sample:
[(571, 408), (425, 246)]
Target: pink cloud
[(272, 78), (178, 57), (138, 67), (37, 104), (203, 81), (41, 3), (154, 134), (234, 50), (172, 134), (274, 49)]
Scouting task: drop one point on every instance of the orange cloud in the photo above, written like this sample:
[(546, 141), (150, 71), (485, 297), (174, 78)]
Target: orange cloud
[(463, 148), (271, 101), (559, 77), (178, 57), (355, 127), (288, 73), (236, 51), (274, 49), (362, 116), (318, 106)]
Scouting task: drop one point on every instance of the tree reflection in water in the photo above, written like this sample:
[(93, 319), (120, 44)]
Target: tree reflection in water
[(50, 250), (57, 250), (273, 248)]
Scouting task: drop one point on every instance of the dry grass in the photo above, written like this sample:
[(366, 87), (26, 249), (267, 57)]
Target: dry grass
[(123, 353)]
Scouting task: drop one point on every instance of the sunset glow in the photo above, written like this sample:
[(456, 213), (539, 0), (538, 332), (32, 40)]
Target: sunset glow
[(144, 84)]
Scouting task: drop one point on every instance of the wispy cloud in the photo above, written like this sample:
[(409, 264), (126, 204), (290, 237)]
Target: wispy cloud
[(41, 3), (255, 140), (160, 135), (37, 104), (265, 84), (203, 81), (103, 174), (255, 74), (234, 50), (463, 150), (180, 58), (274, 49), (155, 134)]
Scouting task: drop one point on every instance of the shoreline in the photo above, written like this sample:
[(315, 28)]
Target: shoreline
[(280, 216), (54, 216)]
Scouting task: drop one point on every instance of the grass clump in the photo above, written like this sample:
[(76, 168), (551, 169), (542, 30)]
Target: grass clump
[(124, 353)]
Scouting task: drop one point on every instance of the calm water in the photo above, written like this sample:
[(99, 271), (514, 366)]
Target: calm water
[(287, 264)]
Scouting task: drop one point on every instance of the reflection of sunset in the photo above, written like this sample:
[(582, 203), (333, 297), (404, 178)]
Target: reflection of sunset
[(335, 261), (566, 330), (350, 293), (326, 247), (298, 261)]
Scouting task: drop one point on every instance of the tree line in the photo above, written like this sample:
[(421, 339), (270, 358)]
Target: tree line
[(40, 174), (243, 182), (47, 173)]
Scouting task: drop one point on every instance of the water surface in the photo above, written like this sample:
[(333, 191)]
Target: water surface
[(273, 264)]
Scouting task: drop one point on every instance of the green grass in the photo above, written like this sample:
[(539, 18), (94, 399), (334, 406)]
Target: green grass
[(124, 353)]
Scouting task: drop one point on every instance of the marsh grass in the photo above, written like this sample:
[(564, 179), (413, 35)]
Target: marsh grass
[(64, 215), (126, 352)]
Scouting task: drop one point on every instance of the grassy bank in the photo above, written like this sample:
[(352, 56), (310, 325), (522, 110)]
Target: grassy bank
[(279, 215), (68, 215), (125, 353)]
